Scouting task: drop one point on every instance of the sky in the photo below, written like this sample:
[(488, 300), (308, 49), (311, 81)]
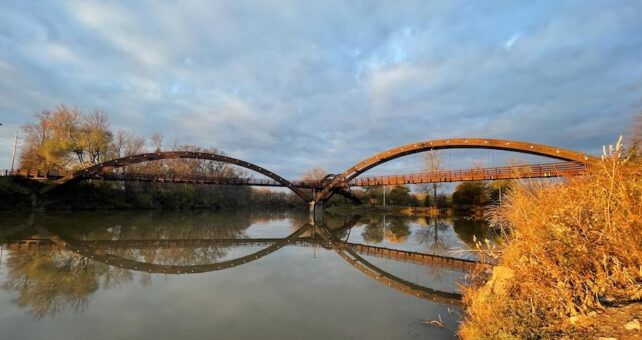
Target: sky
[(291, 85)]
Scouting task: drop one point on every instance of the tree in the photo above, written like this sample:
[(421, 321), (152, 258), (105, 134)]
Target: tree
[(66, 139), (433, 163), (399, 195), (496, 189), (126, 144), (441, 202), (471, 194), (314, 174), (373, 194), (96, 136)]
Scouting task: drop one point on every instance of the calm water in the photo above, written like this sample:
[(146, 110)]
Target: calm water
[(240, 275)]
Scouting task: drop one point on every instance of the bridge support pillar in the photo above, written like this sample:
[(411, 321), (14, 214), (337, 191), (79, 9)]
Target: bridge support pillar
[(316, 211)]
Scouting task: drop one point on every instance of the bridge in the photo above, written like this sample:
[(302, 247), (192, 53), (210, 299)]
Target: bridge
[(546, 170), (573, 164)]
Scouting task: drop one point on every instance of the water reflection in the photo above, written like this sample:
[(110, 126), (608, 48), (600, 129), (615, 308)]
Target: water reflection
[(441, 235), (56, 263)]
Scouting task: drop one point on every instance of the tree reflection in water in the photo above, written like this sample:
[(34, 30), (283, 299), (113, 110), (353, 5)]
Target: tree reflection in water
[(48, 281), (468, 229), (431, 234), (373, 231), (393, 229)]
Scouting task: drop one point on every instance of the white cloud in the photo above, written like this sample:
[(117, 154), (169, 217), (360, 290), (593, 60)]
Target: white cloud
[(513, 39), (291, 85)]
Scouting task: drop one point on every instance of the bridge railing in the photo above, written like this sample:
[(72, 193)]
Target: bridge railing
[(506, 172), (496, 173), (32, 173)]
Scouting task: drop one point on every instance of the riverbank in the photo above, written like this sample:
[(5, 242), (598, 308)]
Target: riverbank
[(17, 193), (570, 265)]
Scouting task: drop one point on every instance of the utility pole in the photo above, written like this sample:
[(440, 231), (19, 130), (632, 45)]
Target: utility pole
[(384, 195), (15, 145)]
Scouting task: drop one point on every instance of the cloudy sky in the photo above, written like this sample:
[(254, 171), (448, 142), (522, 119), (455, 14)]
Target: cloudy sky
[(295, 84)]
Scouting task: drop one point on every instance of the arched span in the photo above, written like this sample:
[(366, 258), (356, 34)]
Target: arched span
[(146, 157), (453, 143)]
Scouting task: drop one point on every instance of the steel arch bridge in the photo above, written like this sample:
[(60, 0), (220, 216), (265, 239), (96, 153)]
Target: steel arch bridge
[(336, 184), (147, 157), (453, 143)]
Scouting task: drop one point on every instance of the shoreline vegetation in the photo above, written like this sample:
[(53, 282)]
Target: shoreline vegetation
[(19, 193), (570, 261)]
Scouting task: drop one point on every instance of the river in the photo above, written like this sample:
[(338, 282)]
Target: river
[(233, 275)]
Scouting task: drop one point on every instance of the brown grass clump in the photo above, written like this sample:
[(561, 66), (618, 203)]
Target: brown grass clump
[(569, 246)]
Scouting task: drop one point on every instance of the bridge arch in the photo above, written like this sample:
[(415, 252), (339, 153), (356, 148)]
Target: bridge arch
[(153, 156), (453, 143)]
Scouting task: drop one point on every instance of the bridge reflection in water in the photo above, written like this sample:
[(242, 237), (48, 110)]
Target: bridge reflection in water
[(126, 254)]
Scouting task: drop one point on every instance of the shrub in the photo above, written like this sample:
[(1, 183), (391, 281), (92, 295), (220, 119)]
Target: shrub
[(568, 245)]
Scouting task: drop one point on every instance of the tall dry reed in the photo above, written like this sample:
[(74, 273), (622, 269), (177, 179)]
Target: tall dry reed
[(571, 246)]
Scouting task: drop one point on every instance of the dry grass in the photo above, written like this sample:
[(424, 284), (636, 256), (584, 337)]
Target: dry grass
[(568, 245)]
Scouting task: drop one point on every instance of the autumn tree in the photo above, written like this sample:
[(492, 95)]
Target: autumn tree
[(96, 138), (66, 139)]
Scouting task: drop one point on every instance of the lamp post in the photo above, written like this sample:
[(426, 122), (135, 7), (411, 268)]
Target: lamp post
[(15, 145)]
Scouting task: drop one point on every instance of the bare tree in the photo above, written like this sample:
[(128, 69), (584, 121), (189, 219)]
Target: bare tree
[(126, 144), (157, 142), (314, 174), (433, 162)]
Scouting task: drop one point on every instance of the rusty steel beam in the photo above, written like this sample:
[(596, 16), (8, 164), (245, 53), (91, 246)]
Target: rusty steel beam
[(330, 185), (549, 170), (146, 157), (546, 170), (453, 143)]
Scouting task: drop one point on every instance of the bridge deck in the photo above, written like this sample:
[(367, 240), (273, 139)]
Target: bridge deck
[(560, 169)]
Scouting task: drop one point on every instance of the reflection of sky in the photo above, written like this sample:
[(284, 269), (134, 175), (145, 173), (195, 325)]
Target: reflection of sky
[(420, 239), (437, 278), (271, 228), (291, 294)]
